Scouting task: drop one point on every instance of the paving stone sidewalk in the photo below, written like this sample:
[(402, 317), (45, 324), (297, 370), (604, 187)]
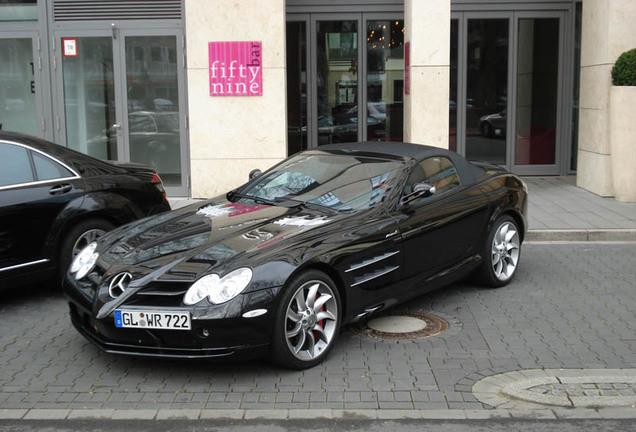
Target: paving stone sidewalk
[(572, 306), (558, 210)]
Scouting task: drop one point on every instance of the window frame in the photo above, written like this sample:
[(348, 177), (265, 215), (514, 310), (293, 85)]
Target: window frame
[(37, 182)]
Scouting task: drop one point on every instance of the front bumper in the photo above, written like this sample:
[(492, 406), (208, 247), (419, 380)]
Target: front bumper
[(217, 332)]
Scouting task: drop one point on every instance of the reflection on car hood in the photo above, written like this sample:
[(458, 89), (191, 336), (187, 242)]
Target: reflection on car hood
[(202, 236)]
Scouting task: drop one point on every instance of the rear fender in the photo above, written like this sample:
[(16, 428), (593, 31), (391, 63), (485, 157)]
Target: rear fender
[(109, 206), (508, 201)]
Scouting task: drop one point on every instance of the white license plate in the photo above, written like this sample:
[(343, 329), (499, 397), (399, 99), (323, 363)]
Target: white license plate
[(174, 320)]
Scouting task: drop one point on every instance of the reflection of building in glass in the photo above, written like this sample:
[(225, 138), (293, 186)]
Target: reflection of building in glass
[(17, 86)]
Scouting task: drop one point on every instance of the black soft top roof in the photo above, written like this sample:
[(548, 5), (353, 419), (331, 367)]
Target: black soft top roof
[(468, 172)]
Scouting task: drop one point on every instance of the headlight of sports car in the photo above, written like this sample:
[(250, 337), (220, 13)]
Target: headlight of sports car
[(217, 289), (84, 261)]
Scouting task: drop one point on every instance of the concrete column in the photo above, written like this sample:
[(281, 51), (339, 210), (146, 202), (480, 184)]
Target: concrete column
[(427, 28), (231, 135), (608, 31)]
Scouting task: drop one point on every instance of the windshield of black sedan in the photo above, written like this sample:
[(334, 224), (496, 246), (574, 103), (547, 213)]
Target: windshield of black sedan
[(339, 182)]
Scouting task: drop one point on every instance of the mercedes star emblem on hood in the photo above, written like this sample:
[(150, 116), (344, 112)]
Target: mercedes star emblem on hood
[(119, 284)]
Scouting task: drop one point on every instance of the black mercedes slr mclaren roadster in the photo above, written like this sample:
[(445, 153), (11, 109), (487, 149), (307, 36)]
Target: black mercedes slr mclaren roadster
[(327, 237)]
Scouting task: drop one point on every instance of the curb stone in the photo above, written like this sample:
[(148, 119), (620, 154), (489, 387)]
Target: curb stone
[(581, 235), (328, 414)]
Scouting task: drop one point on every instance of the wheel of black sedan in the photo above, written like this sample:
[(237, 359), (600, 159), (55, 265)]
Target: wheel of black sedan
[(80, 236), (307, 321), (501, 253)]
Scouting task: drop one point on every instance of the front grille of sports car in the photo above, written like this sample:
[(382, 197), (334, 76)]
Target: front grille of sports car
[(163, 292), (168, 294)]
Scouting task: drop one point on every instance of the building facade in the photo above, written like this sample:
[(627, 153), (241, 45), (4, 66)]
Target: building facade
[(523, 84)]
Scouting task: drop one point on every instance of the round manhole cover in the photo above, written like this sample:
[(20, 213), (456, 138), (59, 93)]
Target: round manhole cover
[(405, 325)]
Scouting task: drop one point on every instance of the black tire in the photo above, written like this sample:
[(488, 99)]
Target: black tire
[(486, 129), (77, 238), (501, 254), (301, 339)]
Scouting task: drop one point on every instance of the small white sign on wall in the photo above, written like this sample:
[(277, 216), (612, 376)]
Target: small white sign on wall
[(69, 47)]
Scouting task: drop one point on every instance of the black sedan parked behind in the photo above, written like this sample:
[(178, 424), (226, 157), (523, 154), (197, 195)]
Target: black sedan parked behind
[(275, 267), (54, 201)]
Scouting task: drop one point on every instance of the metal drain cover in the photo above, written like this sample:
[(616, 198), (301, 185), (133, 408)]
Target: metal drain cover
[(403, 326), (396, 324)]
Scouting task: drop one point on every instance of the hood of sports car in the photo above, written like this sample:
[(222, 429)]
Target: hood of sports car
[(200, 238)]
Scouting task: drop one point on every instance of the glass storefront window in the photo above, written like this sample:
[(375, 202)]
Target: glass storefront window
[(337, 75), (487, 90), (385, 80), (18, 111), (21, 10), (89, 98), (153, 104), (296, 86)]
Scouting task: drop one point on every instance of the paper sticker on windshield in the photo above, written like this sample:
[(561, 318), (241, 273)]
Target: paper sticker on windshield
[(230, 210), (215, 210), (302, 221)]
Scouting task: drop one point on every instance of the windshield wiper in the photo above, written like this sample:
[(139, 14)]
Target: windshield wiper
[(288, 203), (309, 205), (257, 200)]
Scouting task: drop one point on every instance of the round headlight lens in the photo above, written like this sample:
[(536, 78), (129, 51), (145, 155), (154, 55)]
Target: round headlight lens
[(84, 261), (200, 289), (219, 290)]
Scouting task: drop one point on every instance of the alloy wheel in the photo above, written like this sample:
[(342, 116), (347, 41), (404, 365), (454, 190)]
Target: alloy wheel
[(311, 320), (505, 251), (85, 239)]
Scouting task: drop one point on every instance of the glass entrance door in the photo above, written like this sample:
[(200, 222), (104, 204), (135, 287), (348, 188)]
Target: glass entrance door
[(345, 79), (18, 85), (153, 131), (337, 71), (90, 116), (537, 101), (122, 101), (487, 90), (507, 89)]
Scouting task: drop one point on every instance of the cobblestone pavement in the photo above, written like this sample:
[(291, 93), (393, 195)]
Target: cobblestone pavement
[(571, 306)]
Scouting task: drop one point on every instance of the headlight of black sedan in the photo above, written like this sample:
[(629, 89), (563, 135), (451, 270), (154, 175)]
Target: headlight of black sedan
[(219, 289)]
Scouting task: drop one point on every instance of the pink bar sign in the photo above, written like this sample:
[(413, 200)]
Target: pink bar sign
[(236, 68)]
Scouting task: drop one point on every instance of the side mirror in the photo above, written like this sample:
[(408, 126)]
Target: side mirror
[(255, 173), (419, 190)]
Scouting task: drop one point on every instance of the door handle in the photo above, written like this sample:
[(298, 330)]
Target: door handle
[(60, 189)]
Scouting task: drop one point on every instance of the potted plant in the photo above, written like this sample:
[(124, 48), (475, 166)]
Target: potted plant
[(622, 125)]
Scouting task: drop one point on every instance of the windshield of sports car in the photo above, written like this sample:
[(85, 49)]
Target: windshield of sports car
[(336, 181)]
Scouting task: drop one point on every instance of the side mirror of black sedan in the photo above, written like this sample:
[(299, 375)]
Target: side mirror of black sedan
[(420, 190), (255, 173)]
